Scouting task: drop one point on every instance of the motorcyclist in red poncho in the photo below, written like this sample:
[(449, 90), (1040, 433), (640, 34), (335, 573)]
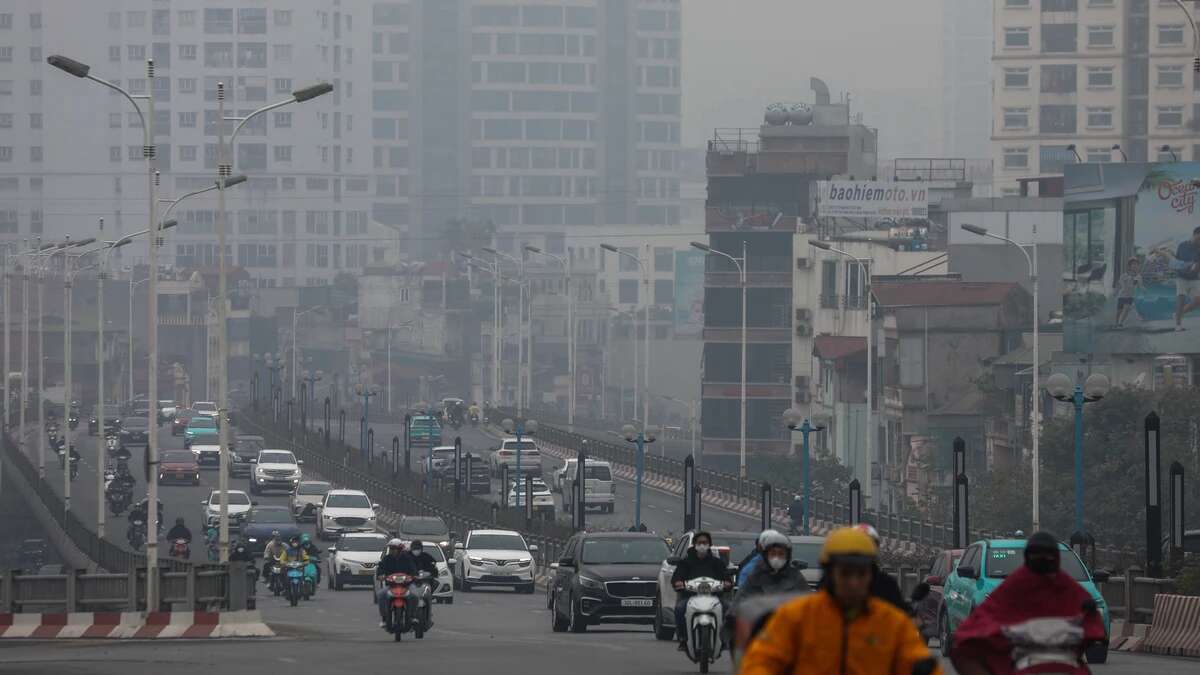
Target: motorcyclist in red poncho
[(1038, 589)]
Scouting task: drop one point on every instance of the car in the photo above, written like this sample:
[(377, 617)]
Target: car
[(352, 559), (807, 549), (206, 408), (986, 563), (425, 528), (275, 470), (605, 577), (543, 499), (208, 455), (142, 412), (494, 558), (166, 411), (260, 521), (112, 419), (135, 431), (178, 466), (732, 545), (926, 611), (200, 429), (309, 493), (346, 511), (506, 455), (237, 505), (180, 421), (244, 453), (439, 461), (598, 488)]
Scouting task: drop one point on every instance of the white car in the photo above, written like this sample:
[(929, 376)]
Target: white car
[(543, 500), (345, 511), (598, 487), (308, 493), (506, 455), (275, 470), (207, 456), (207, 408), (440, 461), (494, 558), (238, 506), (353, 558)]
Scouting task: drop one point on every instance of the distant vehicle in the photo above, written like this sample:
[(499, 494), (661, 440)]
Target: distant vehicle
[(208, 454), (543, 499), (605, 577), (927, 609), (166, 411), (808, 549), (261, 521), (307, 498), (443, 589), (353, 558), (180, 422), (244, 453), (135, 430), (734, 546), (494, 558), (425, 528), (439, 461), (598, 484), (480, 481), (112, 419), (506, 455), (424, 432), (346, 511), (275, 470), (178, 466), (200, 429), (238, 505), (205, 408)]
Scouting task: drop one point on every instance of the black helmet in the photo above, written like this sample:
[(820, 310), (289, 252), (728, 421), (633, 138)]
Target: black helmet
[(179, 521)]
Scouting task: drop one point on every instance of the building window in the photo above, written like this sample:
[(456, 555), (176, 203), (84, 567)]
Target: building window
[(1052, 158), (1016, 118), (1083, 242), (1059, 38), (282, 52), (283, 17), (35, 153), (1101, 37), (1099, 118), (35, 87), (187, 153), (114, 153), (1016, 38), (1058, 79), (1098, 155), (1170, 35), (6, 153), (1016, 4), (664, 291), (187, 85), (6, 120), (1016, 78), (187, 18), (1170, 155), (35, 120), (1057, 119), (1100, 77), (1016, 158), (627, 291), (114, 53), (283, 85), (829, 284), (187, 52), (136, 52), (283, 153), (283, 120), (1169, 116), (664, 259), (1170, 77)]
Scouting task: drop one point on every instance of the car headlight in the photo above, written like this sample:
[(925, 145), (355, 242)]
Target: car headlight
[(588, 582), (475, 561), (252, 540)]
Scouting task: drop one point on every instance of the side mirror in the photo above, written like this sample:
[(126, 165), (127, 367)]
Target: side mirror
[(376, 507), (553, 566), (674, 560), (1101, 576), (299, 462), (565, 562), (332, 549), (254, 460), (799, 564), (458, 546), (933, 580), (253, 503), (533, 548), (203, 502), (967, 572)]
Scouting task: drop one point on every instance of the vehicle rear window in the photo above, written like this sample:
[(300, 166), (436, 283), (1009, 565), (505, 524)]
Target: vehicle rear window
[(522, 445), (312, 488), (597, 473), (235, 498), (1002, 561), (423, 526), (497, 542), (202, 422), (362, 544), (178, 457), (348, 502)]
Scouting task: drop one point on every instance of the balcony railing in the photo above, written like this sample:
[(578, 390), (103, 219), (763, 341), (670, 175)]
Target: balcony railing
[(735, 219)]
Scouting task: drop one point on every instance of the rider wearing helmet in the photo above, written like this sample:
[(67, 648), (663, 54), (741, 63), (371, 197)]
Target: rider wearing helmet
[(180, 531), (293, 551), (751, 562), (811, 634), (313, 552), (271, 551), (796, 512), (394, 561), (775, 573), (884, 586), (699, 561)]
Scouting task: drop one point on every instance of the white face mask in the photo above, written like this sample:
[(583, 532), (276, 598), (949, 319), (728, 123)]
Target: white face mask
[(701, 549), (776, 563)]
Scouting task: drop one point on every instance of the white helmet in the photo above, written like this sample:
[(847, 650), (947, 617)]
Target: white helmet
[(395, 543), (773, 538), (870, 531)]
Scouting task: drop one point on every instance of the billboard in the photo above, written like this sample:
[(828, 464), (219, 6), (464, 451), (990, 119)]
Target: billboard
[(689, 293), (1131, 247), (872, 199)]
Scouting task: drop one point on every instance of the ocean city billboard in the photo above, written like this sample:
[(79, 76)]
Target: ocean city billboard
[(1131, 246)]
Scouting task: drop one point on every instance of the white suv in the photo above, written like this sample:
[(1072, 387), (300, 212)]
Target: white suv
[(237, 502), (506, 455), (598, 487), (344, 511), (494, 558), (275, 470), (353, 559)]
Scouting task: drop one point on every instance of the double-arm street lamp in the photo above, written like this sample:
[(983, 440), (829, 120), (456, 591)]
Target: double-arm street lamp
[(645, 298), (796, 421), (565, 262), (1036, 397), (1094, 388), (639, 437)]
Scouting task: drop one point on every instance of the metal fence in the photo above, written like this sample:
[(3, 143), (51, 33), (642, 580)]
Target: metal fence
[(200, 587)]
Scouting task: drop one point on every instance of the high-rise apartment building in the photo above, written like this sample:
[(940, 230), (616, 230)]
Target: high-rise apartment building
[(1093, 74), (70, 150), (966, 78), (533, 116)]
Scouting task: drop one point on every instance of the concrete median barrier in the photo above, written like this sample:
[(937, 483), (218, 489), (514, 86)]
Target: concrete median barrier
[(1176, 627), (134, 625)]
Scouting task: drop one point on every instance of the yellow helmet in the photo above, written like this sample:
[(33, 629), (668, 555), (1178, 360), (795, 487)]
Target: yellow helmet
[(849, 544)]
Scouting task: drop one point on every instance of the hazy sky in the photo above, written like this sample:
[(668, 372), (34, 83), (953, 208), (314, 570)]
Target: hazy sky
[(739, 55)]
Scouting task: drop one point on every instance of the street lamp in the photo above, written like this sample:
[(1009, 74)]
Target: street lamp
[(366, 391), (274, 364), (640, 437), (1094, 388), (565, 262), (866, 274), (312, 378), (1031, 261), (646, 334), (295, 367), (1073, 151), (796, 421), (740, 263), (1195, 35), (1117, 148), (518, 429), (523, 359)]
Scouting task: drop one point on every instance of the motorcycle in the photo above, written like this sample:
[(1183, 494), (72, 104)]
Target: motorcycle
[(1051, 645), (74, 468), (111, 444), (295, 580), (309, 585), (703, 619), (181, 548), (118, 500), (399, 617), (136, 534), (275, 577), (423, 615)]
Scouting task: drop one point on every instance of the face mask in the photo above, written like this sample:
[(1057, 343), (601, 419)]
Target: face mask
[(416, 551), (777, 563), (701, 549)]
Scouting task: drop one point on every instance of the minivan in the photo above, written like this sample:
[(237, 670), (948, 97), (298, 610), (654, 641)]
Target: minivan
[(598, 484)]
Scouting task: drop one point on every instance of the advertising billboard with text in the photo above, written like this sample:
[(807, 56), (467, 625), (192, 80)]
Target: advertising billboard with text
[(871, 199)]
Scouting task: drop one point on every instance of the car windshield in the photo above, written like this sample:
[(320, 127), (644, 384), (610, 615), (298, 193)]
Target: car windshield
[(312, 489), (523, 445), (270, 516), (423, 526), (497, 542), (809, 553), (234, 499), (276, 458), (362, 544), (202, 422), (248, 446), (206, 407), (1002, 561), (739, 545), (178, 457), (639, 551), (339, 501)]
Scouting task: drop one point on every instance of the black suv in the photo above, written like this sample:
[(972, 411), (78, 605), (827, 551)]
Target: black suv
[(605, 577), (244, 453)]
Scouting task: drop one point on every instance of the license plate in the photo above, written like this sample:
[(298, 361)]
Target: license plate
[(637, 602)]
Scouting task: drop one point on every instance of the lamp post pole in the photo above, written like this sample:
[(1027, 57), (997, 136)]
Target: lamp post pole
[(639, 437), (519, 429), (1094, 388), (792, 418), (69, 275)]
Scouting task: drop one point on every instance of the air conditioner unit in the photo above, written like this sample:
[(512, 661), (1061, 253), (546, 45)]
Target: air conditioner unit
[(803, 314), (803, 329), (802, 263)]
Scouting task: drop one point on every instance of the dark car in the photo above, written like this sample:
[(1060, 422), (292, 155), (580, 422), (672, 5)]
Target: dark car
[(261, 521), (180, 421), (244, 453), (425, 528), (481, 475), (135, 430), (112, 419), (606, 577), (178, 466), (927, 609)]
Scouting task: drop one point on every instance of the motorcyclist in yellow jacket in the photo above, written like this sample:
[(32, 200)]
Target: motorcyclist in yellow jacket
[(841, 629), (293, 551)]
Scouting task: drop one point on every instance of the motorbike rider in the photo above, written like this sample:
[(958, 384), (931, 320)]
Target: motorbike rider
[(776, 574), (1036, 590), (293, 551), (796, 512), (699, 561), (753, 561), (271, 553), (180, 531), (312, 551), (475, 413), (810, 634), (395, 560), (424, 563)]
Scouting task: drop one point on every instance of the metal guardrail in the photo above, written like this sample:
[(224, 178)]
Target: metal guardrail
[(198, 587)]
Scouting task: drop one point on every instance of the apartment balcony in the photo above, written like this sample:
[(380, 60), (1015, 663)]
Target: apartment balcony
[(902, 398), (770, 271), (733, 390), (734, 219), (734, 334), (181, 320)]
